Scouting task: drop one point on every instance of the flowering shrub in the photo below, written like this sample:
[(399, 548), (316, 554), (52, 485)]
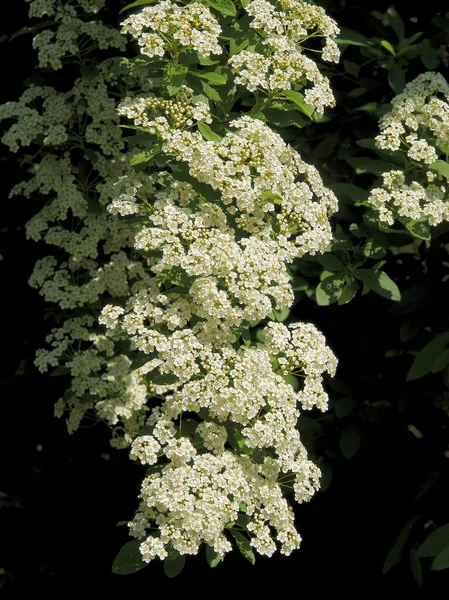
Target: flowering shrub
[(184, 221)]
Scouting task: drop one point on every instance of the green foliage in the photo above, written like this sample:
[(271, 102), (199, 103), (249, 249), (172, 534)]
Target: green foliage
[(243, 545), (129, 559)]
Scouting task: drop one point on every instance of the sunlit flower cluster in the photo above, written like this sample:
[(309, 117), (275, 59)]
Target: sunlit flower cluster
[(418, 127), (164, 274), (286, 28), (166, 27)]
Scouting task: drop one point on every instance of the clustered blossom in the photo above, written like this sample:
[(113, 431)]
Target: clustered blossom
[(241, 393), (73, 35), (165, 26), (427, 201), (417, 126), (281, 62), (178, 274), (215, 282), (242, 167)]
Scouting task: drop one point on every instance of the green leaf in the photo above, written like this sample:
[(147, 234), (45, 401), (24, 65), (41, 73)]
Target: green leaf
[(271, 197), (211, 76), (441, 561), (284, 118), (174, 76), (368, 165), (396, 22), (187, 427), (428, 356), (293, 381), (243, 545), (352, 68), (344, 407), (174, 563), (348, 292), (340, 240), (146, 155), (226, 7), (420, 230), (213, 558), (59, 371), (381, 283), (331, 262), (281, 315), (441, 167), (437, 541), (208, 133), (429, 56), (326, 475), (395, 554), (139, 359), (373, 249), (137, 3), (396, 79), (210, 92), (33, 29), (329, 290), (129, 559), (298, 99), (350, 440), (441, 362), (164, 379), (351, 37), (386, 44)]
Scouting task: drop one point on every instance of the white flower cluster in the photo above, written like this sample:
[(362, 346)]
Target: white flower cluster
[(191, 328), (167, 27), (263, 183), (428, 201), (248, 402), (283, 63), (419, 120), (180, 279), (73, 35), (417, 126)]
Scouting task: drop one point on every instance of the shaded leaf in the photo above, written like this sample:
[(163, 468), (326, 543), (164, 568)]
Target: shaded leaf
[(396, 22), (174, 563), (348, 292), (129, 559), (344, 407), (212, 557), (395, 554), (243, 545), (437, 541), (350, 440), (415, 566), (441, 561), (427, 356), (329, 290), (381, 283), (396, 79), (419, 229), (331, 262), (441, 362)]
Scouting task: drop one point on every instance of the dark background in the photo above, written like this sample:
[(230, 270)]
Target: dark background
[(61, 496)]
